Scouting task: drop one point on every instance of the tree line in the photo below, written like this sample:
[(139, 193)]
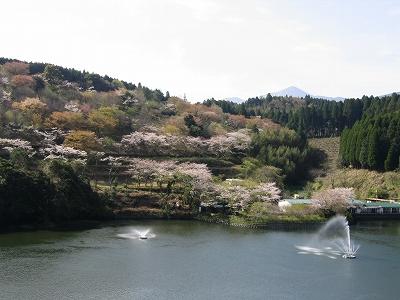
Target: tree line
[(373, 142), (85, 80), (312, 116)]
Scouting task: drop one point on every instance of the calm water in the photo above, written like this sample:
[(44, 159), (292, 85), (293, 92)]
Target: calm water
[(193, 260)]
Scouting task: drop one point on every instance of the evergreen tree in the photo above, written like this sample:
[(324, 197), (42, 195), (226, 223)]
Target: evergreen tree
[(373, 150), (392, 159), (53, 74), (363, 156)]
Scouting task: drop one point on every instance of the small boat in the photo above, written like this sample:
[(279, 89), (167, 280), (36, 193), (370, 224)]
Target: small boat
[(350, 256), (143, 237)]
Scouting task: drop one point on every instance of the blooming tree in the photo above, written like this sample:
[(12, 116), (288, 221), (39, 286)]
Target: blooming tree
[(22, 80), (62, 152), (267, 193), (237, 196), (232, 142), (16, 68), (11, 144), (334, 200), (113, 165), (240, 197), (151, 144), (168, 172)]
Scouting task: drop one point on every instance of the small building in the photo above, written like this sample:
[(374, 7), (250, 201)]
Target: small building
[(375, 208)]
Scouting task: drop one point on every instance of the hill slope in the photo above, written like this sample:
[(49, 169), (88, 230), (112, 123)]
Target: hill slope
[(54, 112), (330, 146)]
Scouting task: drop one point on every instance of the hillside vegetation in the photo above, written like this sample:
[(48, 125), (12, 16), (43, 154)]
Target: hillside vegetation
[(330, 146), (312, 116), (366, 183), (125, 143), (368, 128), (85, 145)]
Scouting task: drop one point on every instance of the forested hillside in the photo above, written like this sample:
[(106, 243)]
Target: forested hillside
[(367, 129), (121, 143), (373, 142), (313, 117)]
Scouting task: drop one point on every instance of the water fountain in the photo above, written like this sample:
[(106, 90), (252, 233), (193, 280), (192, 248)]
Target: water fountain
[(138, 234), (332, 240)]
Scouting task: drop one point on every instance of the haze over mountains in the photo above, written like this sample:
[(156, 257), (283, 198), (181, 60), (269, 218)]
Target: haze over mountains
[(290, 91), (296, 92)]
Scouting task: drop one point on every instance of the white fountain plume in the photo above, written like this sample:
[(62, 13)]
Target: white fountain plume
[(143, 235), (332, 240), (138, 234)]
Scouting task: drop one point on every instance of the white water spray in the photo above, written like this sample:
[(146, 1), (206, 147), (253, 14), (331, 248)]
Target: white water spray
[(138, 234), (332, 240)]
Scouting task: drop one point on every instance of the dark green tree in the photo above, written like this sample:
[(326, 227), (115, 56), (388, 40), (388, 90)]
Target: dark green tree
[(53, 74), (373, 149), (392, 159)]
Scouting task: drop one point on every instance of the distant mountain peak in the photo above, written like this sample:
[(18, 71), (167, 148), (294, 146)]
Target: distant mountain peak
[(235, 99), (291, 91)]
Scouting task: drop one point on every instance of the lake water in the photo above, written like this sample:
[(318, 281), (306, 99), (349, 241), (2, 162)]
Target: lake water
[(194, 260)]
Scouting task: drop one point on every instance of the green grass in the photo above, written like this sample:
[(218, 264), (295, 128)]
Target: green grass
[(366, 183), (276, 218), (331, 148)]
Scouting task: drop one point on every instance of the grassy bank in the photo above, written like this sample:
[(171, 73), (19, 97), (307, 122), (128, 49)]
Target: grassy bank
[(330, 146), (268, 221), (151, 213), (366, 183)]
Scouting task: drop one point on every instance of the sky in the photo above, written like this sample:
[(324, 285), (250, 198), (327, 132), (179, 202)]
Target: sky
[(220, 48)]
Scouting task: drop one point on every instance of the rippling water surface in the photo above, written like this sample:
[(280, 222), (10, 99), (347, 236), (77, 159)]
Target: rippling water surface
[(193, 260)]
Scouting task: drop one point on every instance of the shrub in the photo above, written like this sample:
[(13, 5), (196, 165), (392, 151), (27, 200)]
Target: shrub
[(16, 68), (23, 80), (66, 120), (82, 140)]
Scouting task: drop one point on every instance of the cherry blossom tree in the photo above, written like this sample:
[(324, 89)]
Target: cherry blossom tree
[(334, 200), (232, 142), (267, 192), (113, 165), (240, 197), (237, 196), (62, 152), (11, 144), (153, 144)]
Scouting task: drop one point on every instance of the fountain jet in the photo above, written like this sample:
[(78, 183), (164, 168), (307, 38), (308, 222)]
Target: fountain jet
[(332, 240), (138, 234)]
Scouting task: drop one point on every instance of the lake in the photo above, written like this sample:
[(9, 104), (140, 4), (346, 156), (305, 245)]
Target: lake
[(194, 260)]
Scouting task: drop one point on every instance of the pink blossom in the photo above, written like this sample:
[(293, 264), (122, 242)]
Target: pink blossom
[(336, 200)]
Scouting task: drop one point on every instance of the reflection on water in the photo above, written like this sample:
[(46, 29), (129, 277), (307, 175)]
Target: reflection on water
[(321, 251)]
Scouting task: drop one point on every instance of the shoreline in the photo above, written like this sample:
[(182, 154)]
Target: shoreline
[(226, 220)]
